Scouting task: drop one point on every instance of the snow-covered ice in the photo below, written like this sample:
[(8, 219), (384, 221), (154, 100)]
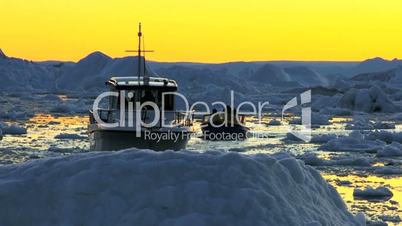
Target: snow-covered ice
[(135, 187), (367, 100)]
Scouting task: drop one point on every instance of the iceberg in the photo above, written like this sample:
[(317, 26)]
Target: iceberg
[(134, 187)]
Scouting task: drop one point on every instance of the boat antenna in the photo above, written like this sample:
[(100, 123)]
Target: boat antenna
[(143, 44)]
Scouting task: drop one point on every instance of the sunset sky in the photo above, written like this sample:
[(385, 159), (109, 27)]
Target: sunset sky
[(203, 31)]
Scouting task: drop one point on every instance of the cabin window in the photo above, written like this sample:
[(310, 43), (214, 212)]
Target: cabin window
[(169, 102), (130, 96), (148, 95)]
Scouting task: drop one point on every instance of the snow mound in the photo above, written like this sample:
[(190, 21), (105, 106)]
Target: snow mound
[(135, 187), (367, 100), (373, 193)]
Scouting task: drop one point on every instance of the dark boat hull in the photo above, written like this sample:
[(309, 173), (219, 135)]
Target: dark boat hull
[(104, 140)]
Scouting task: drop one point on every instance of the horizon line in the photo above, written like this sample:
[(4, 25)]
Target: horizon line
[(206, 62)]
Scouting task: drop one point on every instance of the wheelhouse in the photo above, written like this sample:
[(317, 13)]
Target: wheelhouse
[(142, 90)]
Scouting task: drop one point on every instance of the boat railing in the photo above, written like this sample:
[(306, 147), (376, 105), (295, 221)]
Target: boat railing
[(176, 118)]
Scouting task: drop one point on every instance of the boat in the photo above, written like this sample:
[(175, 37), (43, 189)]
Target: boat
[(121, 126), (220, 126)]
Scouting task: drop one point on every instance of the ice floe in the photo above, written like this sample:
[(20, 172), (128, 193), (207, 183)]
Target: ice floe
[(355, 142), (323, 138), (68, 136), (313, 160), (388, 170), (12, 129), (373, 193), (364, 123)]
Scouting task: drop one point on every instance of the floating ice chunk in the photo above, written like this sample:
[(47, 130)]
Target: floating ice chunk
[(324, 138), (363, 123), (313, 160), (60, 149), (359, 123), (391, 150), (52, 97), (136, 187), (343, 182), (388, 170), (376, 223), (352, 143), (351, 161), (384, 125), (290, 137), (13, 130), (336, 111), (68, 136), (62, 108), (394, 219), (274, 122), (385, 136), (370, 193)]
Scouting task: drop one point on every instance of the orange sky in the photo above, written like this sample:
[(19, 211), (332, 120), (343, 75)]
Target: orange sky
[(204, 31)]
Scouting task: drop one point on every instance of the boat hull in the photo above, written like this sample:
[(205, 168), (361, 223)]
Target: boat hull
[(112, 140)]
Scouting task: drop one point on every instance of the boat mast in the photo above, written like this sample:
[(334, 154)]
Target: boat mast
[(139, 51), (139, 54)]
